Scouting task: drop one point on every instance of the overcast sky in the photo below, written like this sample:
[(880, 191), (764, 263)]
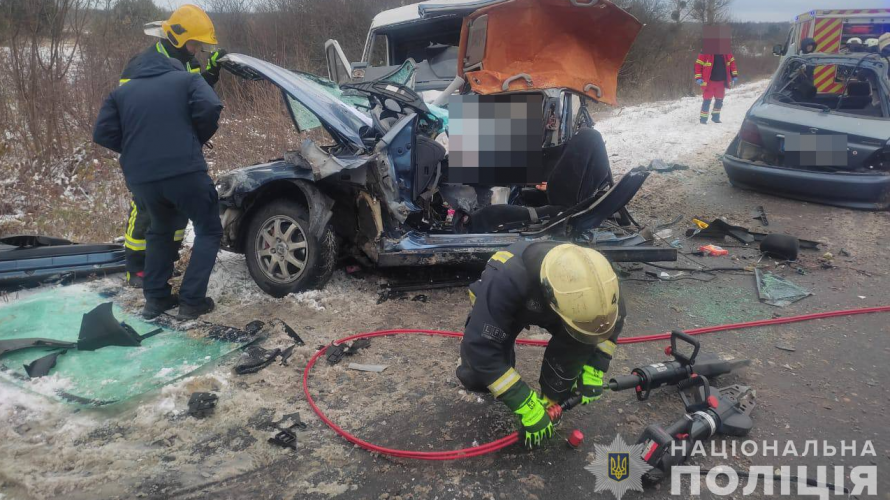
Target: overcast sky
[(742, 10)]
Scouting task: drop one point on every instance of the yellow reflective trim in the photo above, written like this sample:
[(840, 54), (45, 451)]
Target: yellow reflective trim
[(124, 80), (134, 244), (697, 75), (161, 49), (699, 61), (503, 256), (472, 297), (179, 235), (708, 64), (607, 347), (131, 222), (504, 382)]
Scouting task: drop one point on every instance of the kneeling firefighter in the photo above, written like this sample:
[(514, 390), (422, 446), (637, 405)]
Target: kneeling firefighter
[(570, 291)]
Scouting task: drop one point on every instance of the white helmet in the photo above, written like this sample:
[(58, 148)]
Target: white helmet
[(884, 44), (854, 41), (871, 42)]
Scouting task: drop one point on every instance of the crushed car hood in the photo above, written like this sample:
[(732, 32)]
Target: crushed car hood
[(553, 43), (341, 120)]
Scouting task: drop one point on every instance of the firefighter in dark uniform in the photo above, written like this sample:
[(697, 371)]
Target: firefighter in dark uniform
[(570, 291), (175, 47), (158, 119)]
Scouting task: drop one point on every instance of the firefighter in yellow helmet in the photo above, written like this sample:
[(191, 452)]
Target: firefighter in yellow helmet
[(182, 36), (570, 291)]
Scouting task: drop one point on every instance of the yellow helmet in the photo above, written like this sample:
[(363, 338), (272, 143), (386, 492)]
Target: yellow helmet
[(189, 22), (583, 290)]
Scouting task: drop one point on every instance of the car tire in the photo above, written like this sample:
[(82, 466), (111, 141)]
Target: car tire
[(283, 256)]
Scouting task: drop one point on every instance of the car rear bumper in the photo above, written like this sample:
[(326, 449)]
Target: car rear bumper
[(859, 191)]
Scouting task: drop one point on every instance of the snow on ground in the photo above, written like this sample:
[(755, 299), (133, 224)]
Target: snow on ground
[(670, 130)]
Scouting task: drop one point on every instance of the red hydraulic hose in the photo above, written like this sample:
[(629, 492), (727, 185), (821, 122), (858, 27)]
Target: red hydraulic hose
[(514, 437)]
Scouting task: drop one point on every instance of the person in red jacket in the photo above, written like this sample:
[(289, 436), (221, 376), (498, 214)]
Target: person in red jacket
[(715, 71)]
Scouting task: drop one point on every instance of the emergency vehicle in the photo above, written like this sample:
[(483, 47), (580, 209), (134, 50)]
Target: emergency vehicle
[(831, 29)]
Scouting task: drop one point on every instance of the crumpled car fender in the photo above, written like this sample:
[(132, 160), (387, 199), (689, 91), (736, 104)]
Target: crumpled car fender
[(320, 206)]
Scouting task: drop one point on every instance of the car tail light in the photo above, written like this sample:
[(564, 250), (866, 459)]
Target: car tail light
[(750, 133)]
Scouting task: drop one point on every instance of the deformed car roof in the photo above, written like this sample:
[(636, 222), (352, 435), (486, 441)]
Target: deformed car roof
[(340, 119)]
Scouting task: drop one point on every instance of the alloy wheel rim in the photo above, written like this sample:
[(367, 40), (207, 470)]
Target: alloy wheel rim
[(282, 249)]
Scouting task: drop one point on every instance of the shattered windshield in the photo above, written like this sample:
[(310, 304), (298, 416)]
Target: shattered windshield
[(306, 120)]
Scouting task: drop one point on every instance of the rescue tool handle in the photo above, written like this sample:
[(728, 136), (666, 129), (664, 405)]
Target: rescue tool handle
[(682, 358), (699, 400)]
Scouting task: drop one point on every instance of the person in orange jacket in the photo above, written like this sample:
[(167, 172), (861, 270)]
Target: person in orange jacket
[(715, 71)]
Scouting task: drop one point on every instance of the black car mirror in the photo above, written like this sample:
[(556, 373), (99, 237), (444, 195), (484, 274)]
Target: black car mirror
[(778, 49)]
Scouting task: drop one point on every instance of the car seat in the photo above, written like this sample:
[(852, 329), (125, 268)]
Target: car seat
[(580, 173), (857, 96)]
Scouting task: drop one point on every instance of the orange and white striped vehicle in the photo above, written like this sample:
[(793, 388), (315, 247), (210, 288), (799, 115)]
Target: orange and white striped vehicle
[(831, 29)]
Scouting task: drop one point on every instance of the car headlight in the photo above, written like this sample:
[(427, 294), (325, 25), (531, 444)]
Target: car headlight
[(225, 186)]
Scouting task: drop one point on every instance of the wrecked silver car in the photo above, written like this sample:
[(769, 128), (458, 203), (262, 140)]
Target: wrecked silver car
[(383, 191), (829, 148)]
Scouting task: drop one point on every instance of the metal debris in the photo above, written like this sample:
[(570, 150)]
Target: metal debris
[(367, 368)]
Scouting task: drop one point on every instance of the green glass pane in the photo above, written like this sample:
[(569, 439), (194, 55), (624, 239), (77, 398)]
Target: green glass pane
[(107, 375)]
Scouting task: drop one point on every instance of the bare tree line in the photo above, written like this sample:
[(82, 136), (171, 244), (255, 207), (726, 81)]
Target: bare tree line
[(64, 56)]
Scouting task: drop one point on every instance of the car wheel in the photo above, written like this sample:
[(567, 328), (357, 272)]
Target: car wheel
[(283, 256)]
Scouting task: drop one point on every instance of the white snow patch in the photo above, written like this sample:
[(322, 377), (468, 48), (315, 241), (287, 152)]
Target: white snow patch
[(670, 130)]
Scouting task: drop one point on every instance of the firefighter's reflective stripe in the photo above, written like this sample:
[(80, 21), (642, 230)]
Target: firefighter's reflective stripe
[(133, 243), (129, 241), (503, 256), (124, 80), (472, 297), (698, 75), (607, 347), (160, 47), (504, 382), (704, 114), (179, 235), (188, 67), (699, 61)]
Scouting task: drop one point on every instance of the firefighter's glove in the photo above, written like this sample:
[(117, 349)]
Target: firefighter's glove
[(536, 424), (700, 82), (591, 384), (213, 63)]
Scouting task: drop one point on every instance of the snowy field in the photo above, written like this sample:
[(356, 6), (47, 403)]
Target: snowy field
[(670, 130)]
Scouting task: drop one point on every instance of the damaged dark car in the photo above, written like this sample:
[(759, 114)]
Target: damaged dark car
[(822, 147), (382, 190)]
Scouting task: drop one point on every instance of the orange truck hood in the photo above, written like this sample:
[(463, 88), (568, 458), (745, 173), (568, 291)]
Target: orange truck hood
[(554, 43)]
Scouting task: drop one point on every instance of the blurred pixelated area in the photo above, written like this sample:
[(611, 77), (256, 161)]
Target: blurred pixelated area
[(716, 39), (816, 150), (496, 139)]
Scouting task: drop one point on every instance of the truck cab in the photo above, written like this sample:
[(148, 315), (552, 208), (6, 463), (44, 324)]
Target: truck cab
[(424, 35)]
